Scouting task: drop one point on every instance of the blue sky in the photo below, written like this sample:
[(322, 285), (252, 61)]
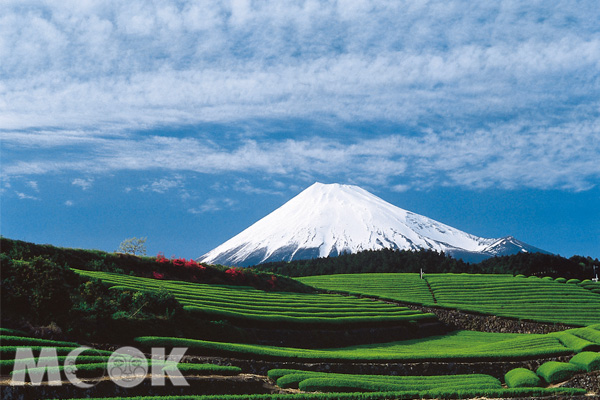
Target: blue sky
[(187, 121)]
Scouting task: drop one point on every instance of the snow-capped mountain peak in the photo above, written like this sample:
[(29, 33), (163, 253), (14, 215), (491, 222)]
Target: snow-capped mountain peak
[(332, 219)]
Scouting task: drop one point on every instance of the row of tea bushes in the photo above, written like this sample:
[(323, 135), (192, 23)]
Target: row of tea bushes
[(329, 382), (553, 371), (407, 288), (464, 346), (90, 362), (246, 303), (535, 299), (403, 395)]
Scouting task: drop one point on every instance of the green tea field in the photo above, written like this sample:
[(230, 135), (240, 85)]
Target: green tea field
[(543, 300), (357, 336), (240, 302)]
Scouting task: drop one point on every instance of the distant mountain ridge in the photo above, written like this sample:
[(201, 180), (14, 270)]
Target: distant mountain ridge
[(333, 219)]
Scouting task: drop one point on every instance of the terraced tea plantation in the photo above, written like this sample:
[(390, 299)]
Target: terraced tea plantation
[(401, 395), (310, 381), (91, 362), (245, 303), (407, 288), (431, 386), (543, 300), (310, 333), (525, 298), (464, 346)]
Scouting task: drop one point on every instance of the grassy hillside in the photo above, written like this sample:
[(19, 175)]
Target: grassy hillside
[(150, 267), (397, 395), (465, 346), (245, 303), (545, 300), (63, 297), (409, 288), (95, 359)]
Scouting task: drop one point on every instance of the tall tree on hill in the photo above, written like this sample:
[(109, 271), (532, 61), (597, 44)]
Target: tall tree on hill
[(135, 246)]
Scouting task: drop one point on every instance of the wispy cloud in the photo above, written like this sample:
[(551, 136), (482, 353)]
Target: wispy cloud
[(162, 185), (491, 94), (69, 203), (400, 188), (248, 187), (213, 205), (504, 155), (24, 196), (140, 63), (33, 185), (84, 184)]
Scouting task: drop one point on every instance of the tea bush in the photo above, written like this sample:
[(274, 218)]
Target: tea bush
[(555, 371), (522, 377), (587, 361)]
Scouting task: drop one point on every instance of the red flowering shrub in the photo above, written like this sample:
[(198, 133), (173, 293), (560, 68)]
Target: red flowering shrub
[(158, 275), (235, 274), (178, 262), (191, 270), (160, 258), (185, 265)]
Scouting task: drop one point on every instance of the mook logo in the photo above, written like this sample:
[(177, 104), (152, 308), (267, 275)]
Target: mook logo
[(126, 367)]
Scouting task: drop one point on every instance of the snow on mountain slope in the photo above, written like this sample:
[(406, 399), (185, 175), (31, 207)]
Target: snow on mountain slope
[(334, 219)]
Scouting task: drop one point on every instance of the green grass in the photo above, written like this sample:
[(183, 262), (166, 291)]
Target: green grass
[(522, 377), (94, 366), (328, 382), (83, 370), (189, 369), (92, 369), (459, 345), (27, 341), (588, 333), (246, 303), (533, 299), (407, 288), (503, 295), (9, 352), (587, 361), (12, 332), (89, 366), (404, 395), (6, 366), (576, 339), (91, 362), (555, 371)]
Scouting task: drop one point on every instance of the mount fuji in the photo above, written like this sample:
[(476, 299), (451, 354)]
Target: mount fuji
[(333, 219)]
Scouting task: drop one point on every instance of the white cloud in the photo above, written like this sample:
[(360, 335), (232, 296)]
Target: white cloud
[(162, 185), (68, 203), (24, 196), (213, 205), (141, 63), (33, 185), (491, 93), (245, 186), (400, 188), (505, 155), (84, 184)]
